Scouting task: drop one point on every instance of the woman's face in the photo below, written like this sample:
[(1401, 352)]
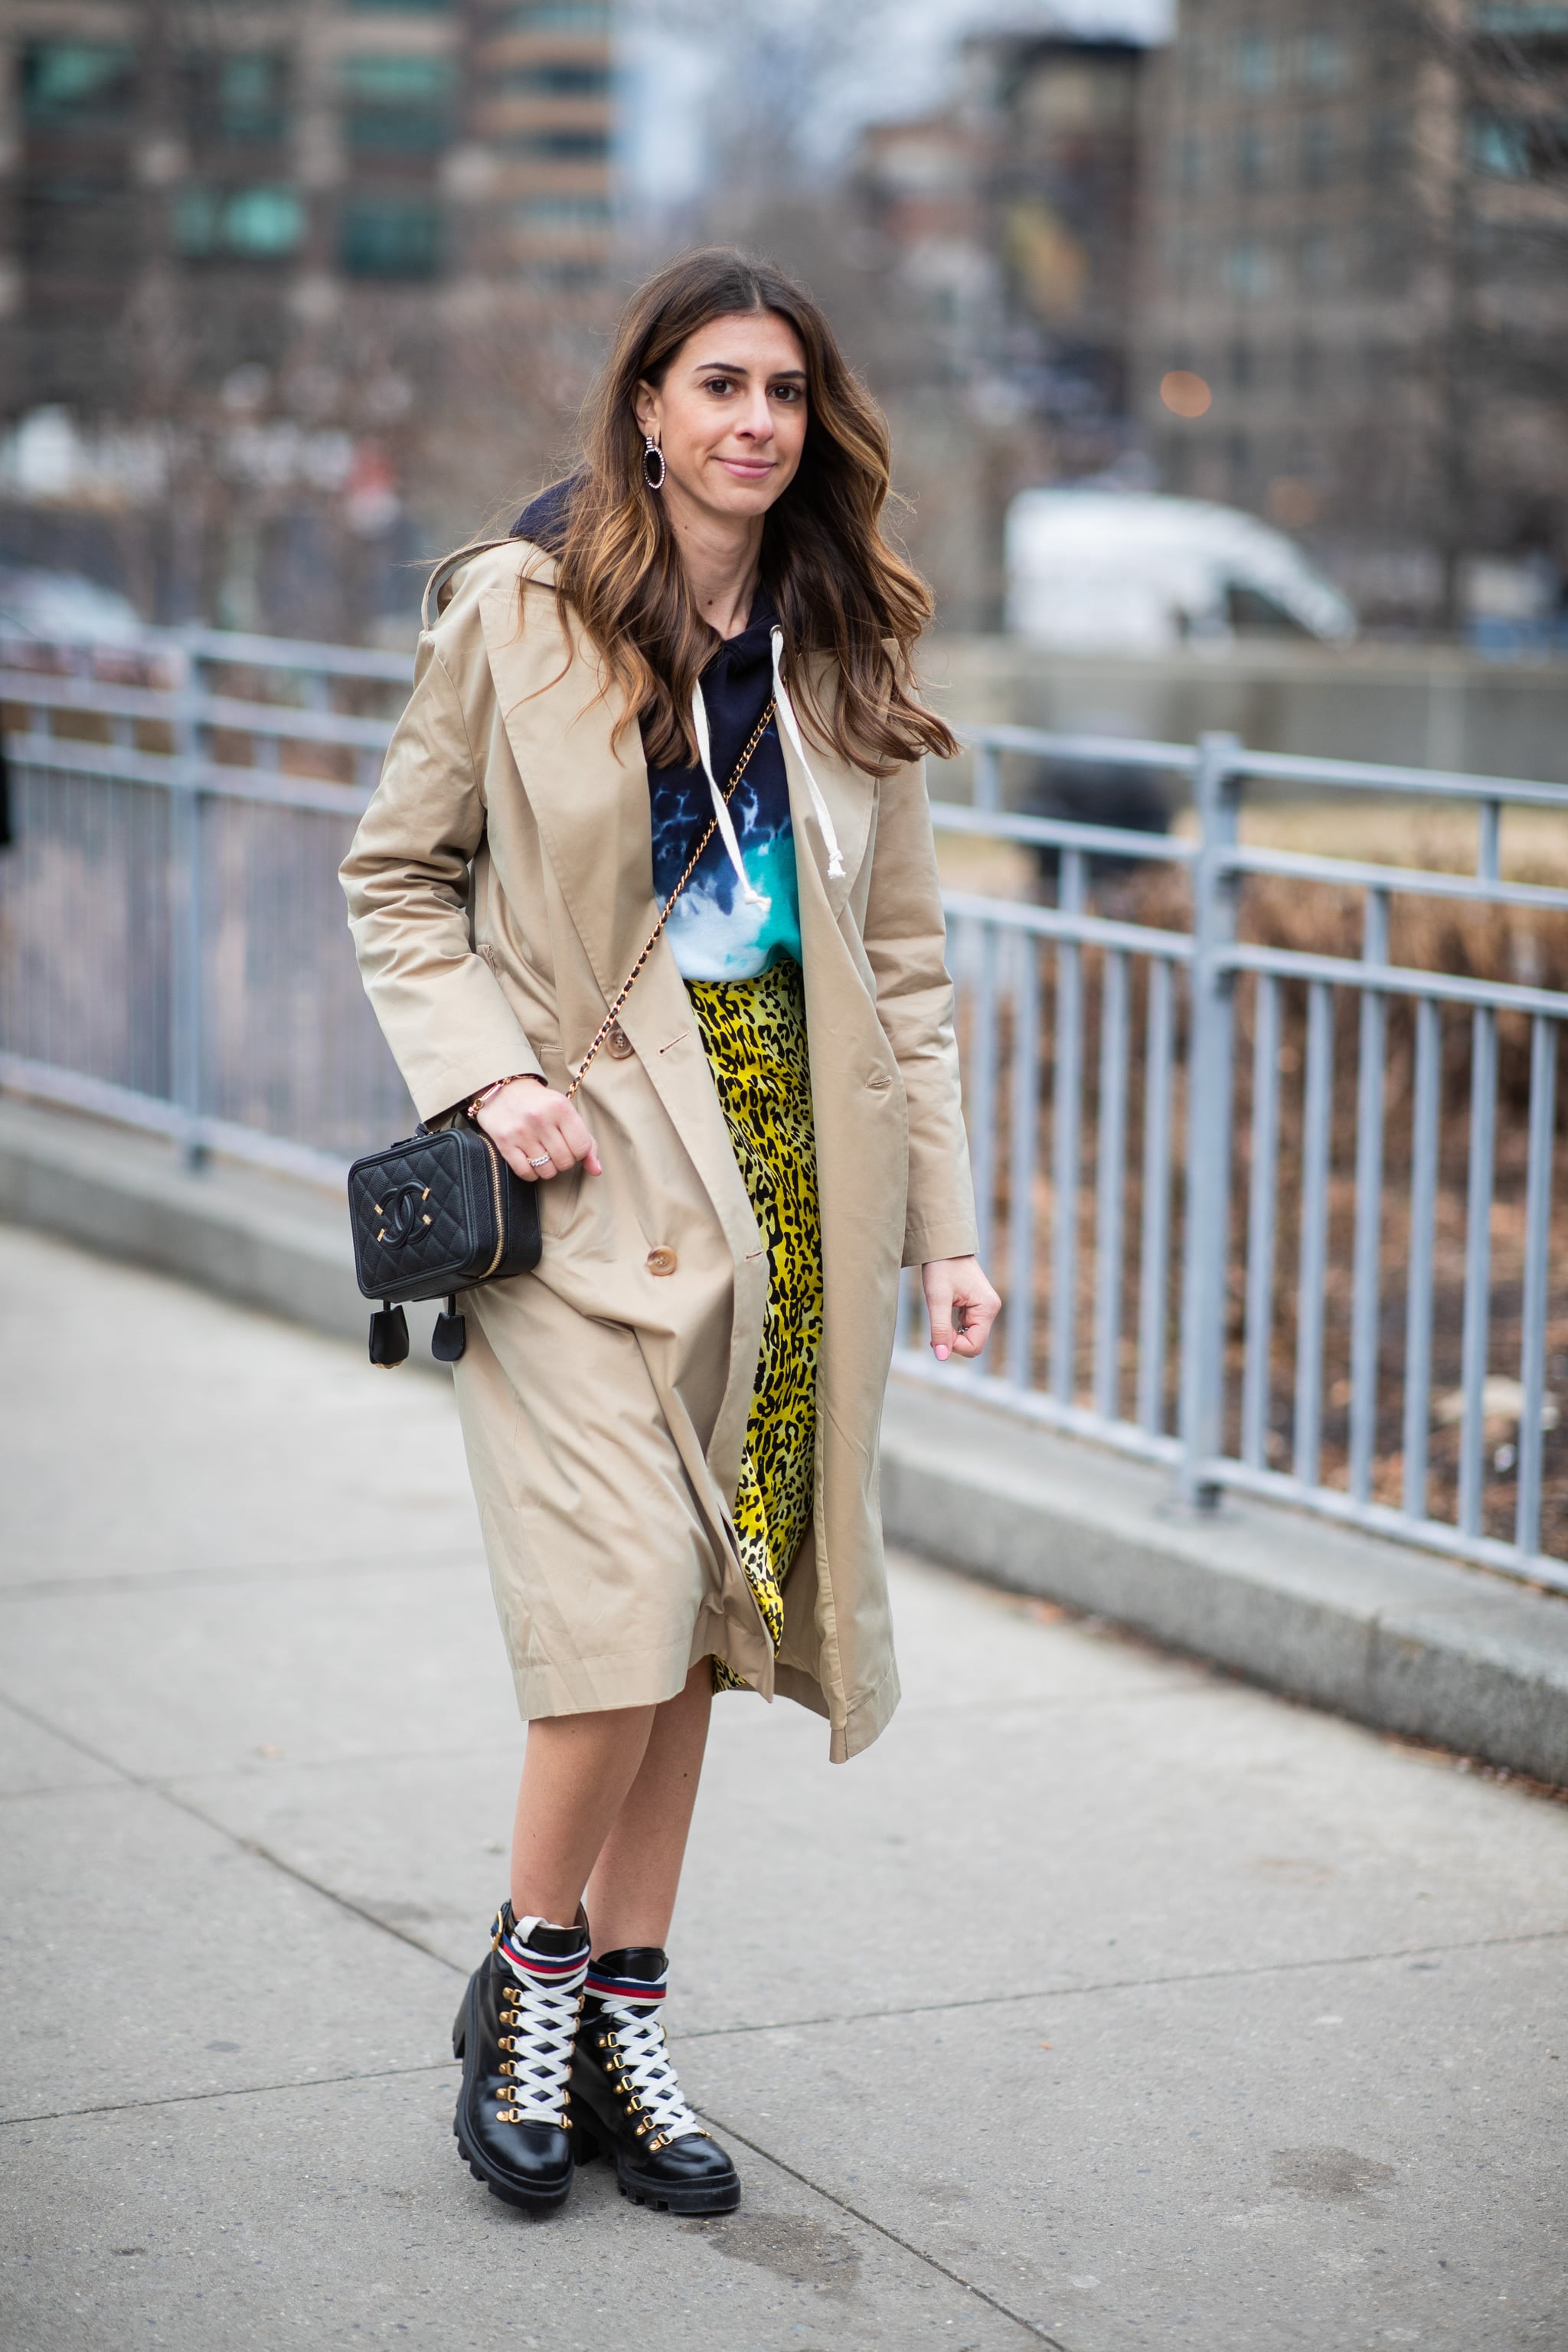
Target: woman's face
[(730, 415)]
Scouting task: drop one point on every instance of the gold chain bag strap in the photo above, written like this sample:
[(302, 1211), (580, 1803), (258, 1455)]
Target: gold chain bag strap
[(439, 587), (611, 1017)]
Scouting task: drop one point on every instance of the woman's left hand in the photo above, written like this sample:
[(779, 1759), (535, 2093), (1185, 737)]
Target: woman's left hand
[(960, 1304)]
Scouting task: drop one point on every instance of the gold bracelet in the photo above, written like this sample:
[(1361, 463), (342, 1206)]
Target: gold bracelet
[(488, 1094)]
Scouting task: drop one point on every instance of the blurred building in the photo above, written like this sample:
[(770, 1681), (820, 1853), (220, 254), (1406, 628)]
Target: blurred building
[(542, 136), (1001, 231), (1354, 311), (251, 255), (1013, 212)]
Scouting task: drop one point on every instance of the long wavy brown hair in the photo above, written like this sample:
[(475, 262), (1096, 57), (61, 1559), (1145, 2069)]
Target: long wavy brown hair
[(837, 586)]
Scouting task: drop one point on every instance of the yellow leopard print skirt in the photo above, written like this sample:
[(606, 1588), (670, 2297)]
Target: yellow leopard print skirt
[(754, 1033)]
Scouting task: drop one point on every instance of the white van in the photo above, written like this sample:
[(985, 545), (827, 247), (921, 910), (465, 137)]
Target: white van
[(1134, 572)]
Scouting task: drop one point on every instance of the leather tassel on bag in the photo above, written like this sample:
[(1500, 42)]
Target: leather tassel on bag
[(431, 1217), (450, 1337), (389, 1337)]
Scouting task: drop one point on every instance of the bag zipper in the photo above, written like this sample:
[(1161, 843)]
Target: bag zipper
[(494, 1157)]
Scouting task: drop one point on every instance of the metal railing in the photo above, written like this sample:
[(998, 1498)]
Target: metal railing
[(1156, 1101), (173, 951), (1175, 1353)]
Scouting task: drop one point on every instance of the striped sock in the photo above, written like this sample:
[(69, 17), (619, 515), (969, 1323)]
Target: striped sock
[(637, 1977), (550, 1958)]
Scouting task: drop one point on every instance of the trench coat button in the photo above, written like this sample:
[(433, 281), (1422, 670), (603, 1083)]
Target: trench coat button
[(661, 1261), (618, 1045)]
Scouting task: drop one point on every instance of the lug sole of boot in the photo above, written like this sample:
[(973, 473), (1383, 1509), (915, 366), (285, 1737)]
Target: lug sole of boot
[(722, 2197), (589, 2139), (537, 2203)]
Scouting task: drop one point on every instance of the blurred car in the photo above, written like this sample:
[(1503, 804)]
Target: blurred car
[(61, 622), (63, 608), (1134, 572)]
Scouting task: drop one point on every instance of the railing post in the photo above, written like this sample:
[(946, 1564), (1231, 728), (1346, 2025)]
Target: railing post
[(185, 916), (1067, 1133), (1200, 1422), (988, 789)]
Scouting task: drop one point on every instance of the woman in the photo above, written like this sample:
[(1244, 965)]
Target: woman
[(672, 1424)]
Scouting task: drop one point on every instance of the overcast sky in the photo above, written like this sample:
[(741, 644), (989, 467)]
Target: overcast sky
[(675, 83), (913, 76)]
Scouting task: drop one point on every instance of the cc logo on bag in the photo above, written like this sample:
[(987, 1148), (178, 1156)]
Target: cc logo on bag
[(404, 1212)]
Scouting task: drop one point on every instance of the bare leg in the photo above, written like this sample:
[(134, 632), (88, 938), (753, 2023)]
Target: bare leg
[(612, 1794), (631, 1893), (576, 1770)]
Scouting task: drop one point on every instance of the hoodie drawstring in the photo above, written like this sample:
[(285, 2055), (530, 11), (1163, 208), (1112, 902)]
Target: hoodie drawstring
[(791, 729), (720, 807)]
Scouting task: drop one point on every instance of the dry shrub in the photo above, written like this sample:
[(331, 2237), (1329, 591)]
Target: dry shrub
[(1525, 947), (1506, 944)]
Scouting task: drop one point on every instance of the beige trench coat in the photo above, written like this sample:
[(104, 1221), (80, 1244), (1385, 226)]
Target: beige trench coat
[(500, 889)]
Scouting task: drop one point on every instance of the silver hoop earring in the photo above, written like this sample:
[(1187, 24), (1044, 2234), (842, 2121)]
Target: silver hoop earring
[(654, 481)]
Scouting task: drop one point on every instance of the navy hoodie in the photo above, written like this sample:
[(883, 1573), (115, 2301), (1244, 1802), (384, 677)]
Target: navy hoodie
[(714, 933)]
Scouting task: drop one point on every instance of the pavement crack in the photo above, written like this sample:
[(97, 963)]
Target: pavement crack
[(1126, 1984), (369, 1760), (68, 1739), (234, 2090), (303, 1878), (253, 1846), (869, 2221), (176, 1580)]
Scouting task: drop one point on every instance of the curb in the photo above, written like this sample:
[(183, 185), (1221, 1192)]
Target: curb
[(1393, 1638), (263, 1241)]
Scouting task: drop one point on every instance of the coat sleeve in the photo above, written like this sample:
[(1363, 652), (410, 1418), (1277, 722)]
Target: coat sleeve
[(905, 940), (405, 878)]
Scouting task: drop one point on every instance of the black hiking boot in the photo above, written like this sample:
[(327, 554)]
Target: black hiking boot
[(514, 2034), (627, 2102)]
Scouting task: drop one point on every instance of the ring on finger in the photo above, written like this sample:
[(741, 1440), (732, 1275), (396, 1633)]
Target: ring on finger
[(543, 1160)]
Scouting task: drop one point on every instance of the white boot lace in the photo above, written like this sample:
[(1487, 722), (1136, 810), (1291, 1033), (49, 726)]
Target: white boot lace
[(645, 2070), (539, 2032)]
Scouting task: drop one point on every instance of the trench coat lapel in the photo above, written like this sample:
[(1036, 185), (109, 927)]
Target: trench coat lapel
[(589, 795), (588, 791)]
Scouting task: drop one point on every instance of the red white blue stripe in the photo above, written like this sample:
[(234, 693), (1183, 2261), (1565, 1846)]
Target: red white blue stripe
[(646, 1992), (550, 1971)]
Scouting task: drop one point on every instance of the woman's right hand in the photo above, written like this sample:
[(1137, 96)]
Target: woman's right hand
[(529, 1122)]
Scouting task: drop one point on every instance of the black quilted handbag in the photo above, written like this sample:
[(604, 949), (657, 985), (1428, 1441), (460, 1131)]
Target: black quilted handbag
[(433, 1216)]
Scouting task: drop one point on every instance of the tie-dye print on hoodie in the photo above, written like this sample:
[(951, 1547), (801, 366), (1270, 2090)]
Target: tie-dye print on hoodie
[(714, 933)]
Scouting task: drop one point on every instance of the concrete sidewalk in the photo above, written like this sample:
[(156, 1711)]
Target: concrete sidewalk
[(1106, 2002)]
